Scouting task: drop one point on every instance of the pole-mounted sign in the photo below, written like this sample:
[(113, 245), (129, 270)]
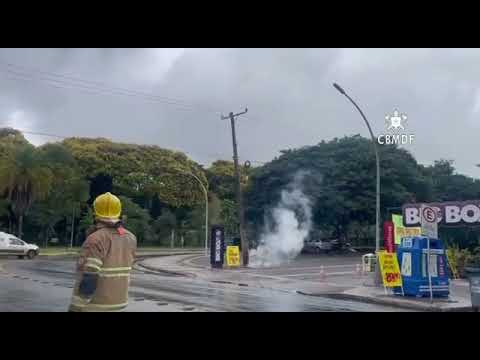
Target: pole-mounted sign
[(429, 222), (429, 218), (217, 246)]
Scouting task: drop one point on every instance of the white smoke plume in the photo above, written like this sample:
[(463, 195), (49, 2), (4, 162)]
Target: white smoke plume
[(286, 229)]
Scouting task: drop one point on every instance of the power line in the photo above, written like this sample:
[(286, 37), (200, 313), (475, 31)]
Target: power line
[(62, 81), (79, 83), (88, 82), (32, 132), (86, 89), (96, 87), (43, 134)]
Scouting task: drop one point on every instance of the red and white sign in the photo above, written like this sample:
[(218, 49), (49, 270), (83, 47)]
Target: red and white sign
[(388, 236), (429, 221)]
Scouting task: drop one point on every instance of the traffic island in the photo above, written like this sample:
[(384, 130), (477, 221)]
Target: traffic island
[(374, 295), (360, 290)]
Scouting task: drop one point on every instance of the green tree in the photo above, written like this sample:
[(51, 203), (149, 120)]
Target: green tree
[(229, 218), (137, 220), (9, 140), (24, 178), (29, 174), (139, 171), (340, 182), (214, 209), (164, 225), (221, 178), (64, 201), (447, 185), (5, 214), (86, 221)]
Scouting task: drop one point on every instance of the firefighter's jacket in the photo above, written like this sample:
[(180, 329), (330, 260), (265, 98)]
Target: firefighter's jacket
[(103, 269)]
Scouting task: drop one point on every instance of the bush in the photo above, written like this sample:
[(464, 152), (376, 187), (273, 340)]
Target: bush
[(462, 257), (474, 258)]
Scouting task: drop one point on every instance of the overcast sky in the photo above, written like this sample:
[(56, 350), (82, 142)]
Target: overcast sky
[(288, 93)]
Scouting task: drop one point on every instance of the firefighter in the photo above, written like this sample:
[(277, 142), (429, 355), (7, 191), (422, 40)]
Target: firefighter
[(105, 262)]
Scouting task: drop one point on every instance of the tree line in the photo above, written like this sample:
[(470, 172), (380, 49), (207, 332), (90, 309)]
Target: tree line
[(46, 192), (341, 184)]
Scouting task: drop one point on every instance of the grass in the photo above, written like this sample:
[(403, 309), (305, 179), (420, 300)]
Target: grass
[(156, 248), (59, 250), (62, 250)]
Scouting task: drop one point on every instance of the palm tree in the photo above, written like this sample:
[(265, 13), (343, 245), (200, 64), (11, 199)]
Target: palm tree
[(24, 177)]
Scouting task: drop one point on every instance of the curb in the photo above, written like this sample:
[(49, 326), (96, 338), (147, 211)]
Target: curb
[(140, 258), (189, 262), (369, 300), (144, 256), (228, 282), (159, 270)]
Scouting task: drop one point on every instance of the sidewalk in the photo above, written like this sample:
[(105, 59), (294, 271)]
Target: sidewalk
[(458, 301), (346, 287)]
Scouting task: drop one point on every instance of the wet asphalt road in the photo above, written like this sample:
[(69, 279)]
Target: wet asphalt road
[(46, 285)]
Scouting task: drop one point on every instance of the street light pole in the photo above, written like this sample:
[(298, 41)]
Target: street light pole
[(377, 211), (73, 225), (205, 193)]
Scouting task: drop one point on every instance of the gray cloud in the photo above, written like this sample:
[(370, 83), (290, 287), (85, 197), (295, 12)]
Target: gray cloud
[(288, 92)]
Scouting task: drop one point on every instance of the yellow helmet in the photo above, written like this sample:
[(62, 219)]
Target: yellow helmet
[(107, 206)]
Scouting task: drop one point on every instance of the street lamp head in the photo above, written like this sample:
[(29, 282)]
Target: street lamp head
[(339, 88)]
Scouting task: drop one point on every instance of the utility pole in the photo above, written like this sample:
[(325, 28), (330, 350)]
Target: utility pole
[(241, 215)]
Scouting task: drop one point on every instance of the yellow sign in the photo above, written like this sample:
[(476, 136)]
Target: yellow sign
[(233, 256), (401, 231), (390, 269)]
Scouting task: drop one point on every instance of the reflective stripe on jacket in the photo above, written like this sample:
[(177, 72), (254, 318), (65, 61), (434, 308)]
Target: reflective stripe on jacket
[(108, 254)]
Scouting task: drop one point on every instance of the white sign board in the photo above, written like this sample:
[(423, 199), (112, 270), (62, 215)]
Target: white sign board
[(429, 219), (407, 264)]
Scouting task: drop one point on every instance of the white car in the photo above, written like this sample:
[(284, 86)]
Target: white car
[(11, 245), (317, 247)]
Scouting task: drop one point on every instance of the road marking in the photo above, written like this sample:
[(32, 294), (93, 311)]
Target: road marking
[(189, 261), (286, 271), (307, 267), (327, 274), (264, 276)]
